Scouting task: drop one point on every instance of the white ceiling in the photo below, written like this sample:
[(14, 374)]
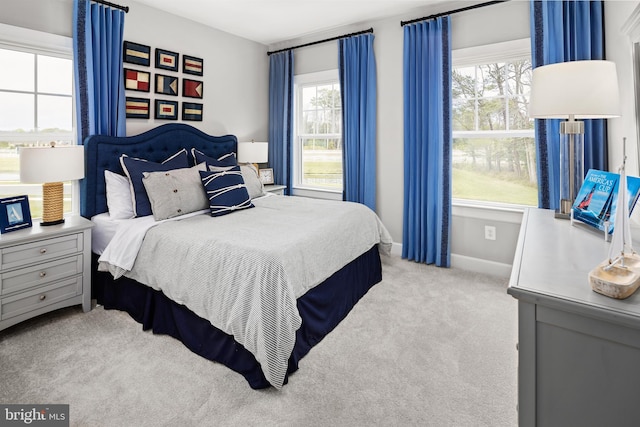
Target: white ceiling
[(272, 21)]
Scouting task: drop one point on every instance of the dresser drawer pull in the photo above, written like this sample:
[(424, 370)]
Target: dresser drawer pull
[(42, 297), (43, 251), (43, 274)]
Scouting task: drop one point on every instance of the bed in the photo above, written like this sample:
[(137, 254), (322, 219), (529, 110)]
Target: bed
[(271, 283)]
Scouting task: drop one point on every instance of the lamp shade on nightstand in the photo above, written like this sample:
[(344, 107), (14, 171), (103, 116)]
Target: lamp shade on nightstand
[(253, 152), (51, 166)]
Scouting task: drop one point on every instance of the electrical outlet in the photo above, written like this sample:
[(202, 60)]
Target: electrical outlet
[(490, 232)]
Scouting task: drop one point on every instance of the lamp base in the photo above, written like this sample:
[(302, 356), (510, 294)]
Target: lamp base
[(52, 203), (45, 224), (564, 212)]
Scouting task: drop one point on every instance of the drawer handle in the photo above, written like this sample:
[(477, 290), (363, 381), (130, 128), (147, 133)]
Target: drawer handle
[(43, 251), (42, 297), (42, 274)]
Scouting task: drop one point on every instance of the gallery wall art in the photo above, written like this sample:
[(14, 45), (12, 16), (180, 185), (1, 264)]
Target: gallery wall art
[(167, 82)]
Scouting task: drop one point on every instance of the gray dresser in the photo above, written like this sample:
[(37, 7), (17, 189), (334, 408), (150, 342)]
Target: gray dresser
[(579, 351), (43, 269)]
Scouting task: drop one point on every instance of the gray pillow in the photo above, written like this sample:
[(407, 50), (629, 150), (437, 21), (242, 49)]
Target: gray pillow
[(175, 192), (250, 177)]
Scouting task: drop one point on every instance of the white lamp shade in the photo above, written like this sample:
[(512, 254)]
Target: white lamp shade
[(253, 152), (584, 89), (51, 164)]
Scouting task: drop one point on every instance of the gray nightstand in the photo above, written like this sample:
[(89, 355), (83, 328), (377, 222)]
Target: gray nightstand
[(45, 268), (275, 189)]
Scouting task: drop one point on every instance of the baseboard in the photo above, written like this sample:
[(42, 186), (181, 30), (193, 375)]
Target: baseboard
[(396, 249), (480, 265), (468, 263)]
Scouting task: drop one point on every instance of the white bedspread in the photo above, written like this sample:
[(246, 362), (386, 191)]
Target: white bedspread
[(244, 271)]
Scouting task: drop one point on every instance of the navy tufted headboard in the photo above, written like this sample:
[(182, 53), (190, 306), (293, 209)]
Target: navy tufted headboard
[(103, 152)]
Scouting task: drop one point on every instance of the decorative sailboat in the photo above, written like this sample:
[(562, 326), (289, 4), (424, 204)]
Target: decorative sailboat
[(619, 275)]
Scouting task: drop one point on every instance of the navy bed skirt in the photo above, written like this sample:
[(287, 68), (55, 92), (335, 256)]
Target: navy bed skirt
[(321, 309)]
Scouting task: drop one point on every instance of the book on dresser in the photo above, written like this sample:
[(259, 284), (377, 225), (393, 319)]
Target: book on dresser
[(596, 201)]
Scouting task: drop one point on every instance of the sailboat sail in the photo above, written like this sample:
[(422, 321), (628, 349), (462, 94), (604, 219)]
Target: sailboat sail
[(621, 239)]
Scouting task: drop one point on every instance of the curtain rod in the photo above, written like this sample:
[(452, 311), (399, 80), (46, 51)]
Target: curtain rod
[(451, 12), (117, 6), (370, 30)]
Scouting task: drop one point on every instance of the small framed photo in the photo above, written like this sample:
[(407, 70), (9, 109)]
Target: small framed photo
[(14, 214), (192, 65), (166, 110), (167, 60), (266, 176)]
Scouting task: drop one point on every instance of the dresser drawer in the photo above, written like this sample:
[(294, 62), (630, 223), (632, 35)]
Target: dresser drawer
[(32, 300), (43, 250), (41, 274)]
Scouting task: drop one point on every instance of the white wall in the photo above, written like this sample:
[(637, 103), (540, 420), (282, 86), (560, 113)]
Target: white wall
[(618, 49), (236, 70)]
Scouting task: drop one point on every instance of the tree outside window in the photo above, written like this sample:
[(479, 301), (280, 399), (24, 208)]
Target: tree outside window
[(319, 135), (493, 138)]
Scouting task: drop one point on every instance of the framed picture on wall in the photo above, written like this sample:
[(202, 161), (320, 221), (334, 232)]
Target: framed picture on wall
[(192, 111), (137, 108), (167, 60), (136, 53), (166, 110), (192, 65), (166, 85), (192, 88), (137, 80)]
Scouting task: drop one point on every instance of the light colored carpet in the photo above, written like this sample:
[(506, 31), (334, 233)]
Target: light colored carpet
[(426, 346)]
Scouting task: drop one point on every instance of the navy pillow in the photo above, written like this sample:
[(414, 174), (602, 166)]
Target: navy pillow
[(134, 168), (226, 191), (224, 161)]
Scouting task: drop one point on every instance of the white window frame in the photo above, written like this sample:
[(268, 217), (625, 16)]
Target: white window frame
[(43, 43), (488, 54), (316, 79)]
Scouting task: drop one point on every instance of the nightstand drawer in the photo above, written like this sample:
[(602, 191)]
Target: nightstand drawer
[(41, 274), (33, 300), (19, 255)]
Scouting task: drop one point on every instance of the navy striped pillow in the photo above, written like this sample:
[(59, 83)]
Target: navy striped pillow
[(226, 191)]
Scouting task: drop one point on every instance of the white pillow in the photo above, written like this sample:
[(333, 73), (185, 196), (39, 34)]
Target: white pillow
[(255, 187), (118, 195)]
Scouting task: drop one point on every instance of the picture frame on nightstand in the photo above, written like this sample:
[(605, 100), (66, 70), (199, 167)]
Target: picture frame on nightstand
[(266, 175), (14, 214)]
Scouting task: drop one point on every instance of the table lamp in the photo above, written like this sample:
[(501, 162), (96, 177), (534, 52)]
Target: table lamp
[(573, 90), (253, 152), (52, 166)]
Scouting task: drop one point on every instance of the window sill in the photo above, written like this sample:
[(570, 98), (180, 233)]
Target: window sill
[(488, 210), (317, 193)]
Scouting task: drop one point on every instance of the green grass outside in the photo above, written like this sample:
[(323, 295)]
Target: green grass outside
[(324, 170), (478, 186), (9, 164)]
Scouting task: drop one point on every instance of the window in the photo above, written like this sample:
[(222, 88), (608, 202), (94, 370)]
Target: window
[(318, 136), (36, 105), (494, 156)]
